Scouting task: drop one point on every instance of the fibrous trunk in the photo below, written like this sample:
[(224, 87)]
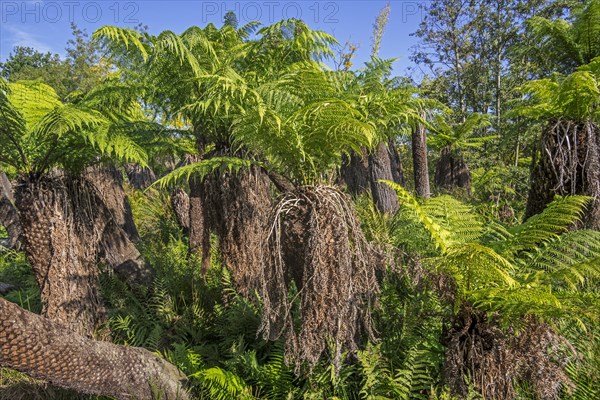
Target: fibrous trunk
[(451, 172), (568, 164), (235, 207), (495, 360), (316, 248), (62, 228), (51, 351), (420, 166)]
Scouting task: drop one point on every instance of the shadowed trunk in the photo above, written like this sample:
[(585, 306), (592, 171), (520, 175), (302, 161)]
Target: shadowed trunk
[(180, 203), (452, 172), (568, 163), (63, 222), (421, 169), (117, 247), (9, 216), (383, 164), (48, 350), (362, 173), (355, 173), (139, 178), (108, 182)]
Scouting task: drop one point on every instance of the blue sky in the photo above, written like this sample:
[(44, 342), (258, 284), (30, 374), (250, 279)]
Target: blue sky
[(44, 25)]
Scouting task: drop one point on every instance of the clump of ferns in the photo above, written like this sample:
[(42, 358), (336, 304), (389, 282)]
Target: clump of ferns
[(509, 288)]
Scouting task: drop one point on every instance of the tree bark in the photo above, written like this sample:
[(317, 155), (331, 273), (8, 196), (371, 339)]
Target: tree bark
[(381, 167), (108, 182), (62, 228), (355, 173), (235, 207), (452, 172), (139, 178), (48, 350), (421, 169), (568, 164), (180, 203), (361, 174)]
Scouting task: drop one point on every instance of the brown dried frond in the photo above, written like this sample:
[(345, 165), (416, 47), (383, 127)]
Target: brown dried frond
[(315, 244), (569, 164), (496, 360)]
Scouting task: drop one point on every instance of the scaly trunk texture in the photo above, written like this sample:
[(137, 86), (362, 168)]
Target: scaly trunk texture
[(361, 173), (421, 169), (568, 164), (9, 216), (108, 182), (139, 178), (62, 227), (48, 350), (180, 203), (451, 172), (235, 207)]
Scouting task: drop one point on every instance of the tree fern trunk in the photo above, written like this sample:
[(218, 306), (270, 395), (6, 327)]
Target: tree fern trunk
[(139, 178), (381, 166), (452, 172), (9, 216), (108, 182), (568, 163), (421, 169), (61, 232), (236, 209), (180, 203), (361, 173), (50, 351)]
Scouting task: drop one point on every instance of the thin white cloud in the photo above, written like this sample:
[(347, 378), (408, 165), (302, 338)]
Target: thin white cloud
[(21, 37)]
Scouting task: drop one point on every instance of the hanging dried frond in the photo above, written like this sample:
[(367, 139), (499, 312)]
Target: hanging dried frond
[(316, 248), (569, 164), (495, 360)]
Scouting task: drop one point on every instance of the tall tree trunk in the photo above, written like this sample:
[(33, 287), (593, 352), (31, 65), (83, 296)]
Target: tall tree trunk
[(62, 227), (50, 351), (421, 169), (568, 164), (9, 216), (452, 172)]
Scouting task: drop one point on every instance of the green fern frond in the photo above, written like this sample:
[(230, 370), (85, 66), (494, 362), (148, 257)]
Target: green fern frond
[(203, 168)]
